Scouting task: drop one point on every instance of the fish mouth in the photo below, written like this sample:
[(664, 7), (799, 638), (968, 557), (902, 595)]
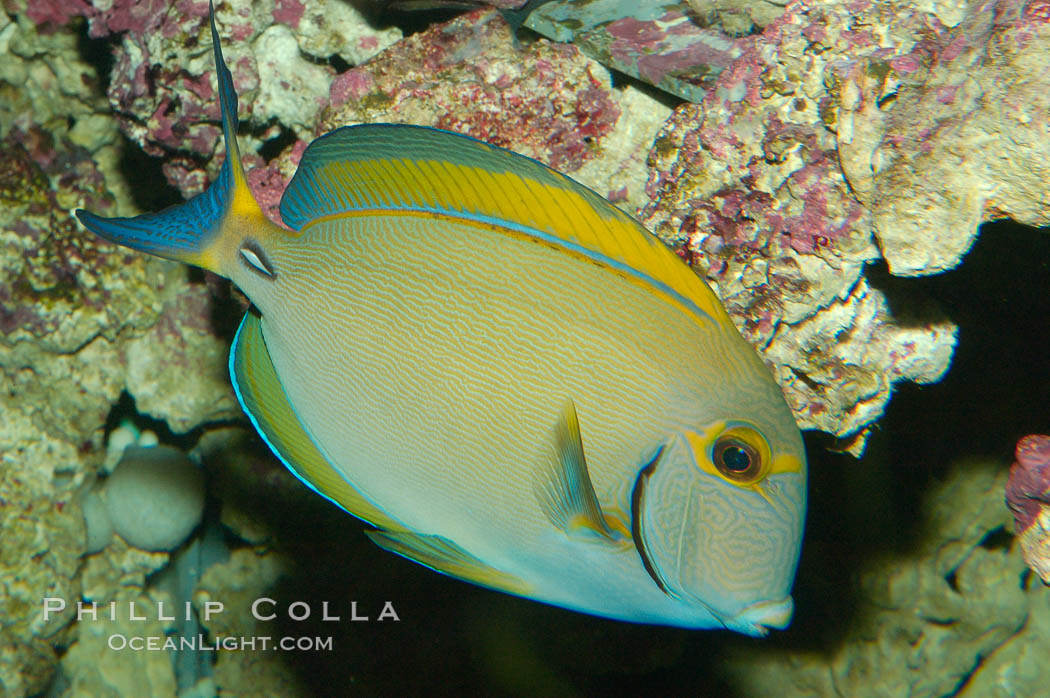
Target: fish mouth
[(759, 618)]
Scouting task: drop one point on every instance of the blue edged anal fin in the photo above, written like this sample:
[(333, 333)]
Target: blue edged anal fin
[(442, 555), (263, 398), (565, 491), (261, 394)]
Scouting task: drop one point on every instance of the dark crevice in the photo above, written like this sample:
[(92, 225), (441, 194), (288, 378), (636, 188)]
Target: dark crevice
[(810, 383), (910, 303), (621, 80), (338, 64), (98, 53), (415, 16), (145, 177), (995, 390), (273, 147), (125, 410), (226, 307), (997, 539)]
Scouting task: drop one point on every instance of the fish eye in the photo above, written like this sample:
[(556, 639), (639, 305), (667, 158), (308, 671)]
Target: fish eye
[(741, 455), (736, 458)]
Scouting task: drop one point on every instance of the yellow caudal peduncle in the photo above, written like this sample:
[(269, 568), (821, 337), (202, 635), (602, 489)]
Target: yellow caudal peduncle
[(206, 230)]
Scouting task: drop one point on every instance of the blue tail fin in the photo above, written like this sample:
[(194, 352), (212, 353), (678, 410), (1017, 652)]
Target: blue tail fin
[(188, 232)]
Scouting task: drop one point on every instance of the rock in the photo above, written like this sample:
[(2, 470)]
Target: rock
[(237, 583), (662, 43), (925, 620), (98, 527), (100, 664), (154, 497), (1028, 497), (751, 185), (965, 139), (71, 305)]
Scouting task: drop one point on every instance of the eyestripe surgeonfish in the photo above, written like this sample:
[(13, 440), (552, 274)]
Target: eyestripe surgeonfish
[(508, 377)]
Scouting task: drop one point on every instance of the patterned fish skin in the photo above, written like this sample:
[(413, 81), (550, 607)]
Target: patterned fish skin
[(447, 400), (434, 306)]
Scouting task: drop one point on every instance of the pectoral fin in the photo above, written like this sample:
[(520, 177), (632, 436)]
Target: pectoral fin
[(564, 488), (442, 555)]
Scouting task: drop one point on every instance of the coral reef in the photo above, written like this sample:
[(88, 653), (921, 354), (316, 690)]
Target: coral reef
[(161, 88), (545, 100), (1028, 496), (748, 183), (965, 140), (1017, 668), (847, 132), (247, 576), (71, 307), (92, 668), (61, 373), (156, 72)]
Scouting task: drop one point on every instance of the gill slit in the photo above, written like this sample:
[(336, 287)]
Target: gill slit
[(637, 492)]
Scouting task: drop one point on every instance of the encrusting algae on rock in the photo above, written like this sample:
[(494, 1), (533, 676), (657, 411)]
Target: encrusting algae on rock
[(1028, 496)]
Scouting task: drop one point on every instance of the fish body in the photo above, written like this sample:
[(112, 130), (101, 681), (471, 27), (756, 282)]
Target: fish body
[(508, 377)]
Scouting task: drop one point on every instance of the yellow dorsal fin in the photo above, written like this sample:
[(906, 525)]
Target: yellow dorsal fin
[(392, 167)]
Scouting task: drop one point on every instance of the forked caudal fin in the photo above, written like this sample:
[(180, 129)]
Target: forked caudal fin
[(190, 232)]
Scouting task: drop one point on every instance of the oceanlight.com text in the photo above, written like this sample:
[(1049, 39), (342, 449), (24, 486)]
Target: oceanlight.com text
[(230, 643)]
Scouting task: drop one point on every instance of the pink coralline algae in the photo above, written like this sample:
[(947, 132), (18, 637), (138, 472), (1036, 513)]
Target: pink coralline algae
[(168, 105), (467, 76), (135, 16), (268, 181), (748, 184), (1028, 496), (161, 89), (288, 12), (51, 14)]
